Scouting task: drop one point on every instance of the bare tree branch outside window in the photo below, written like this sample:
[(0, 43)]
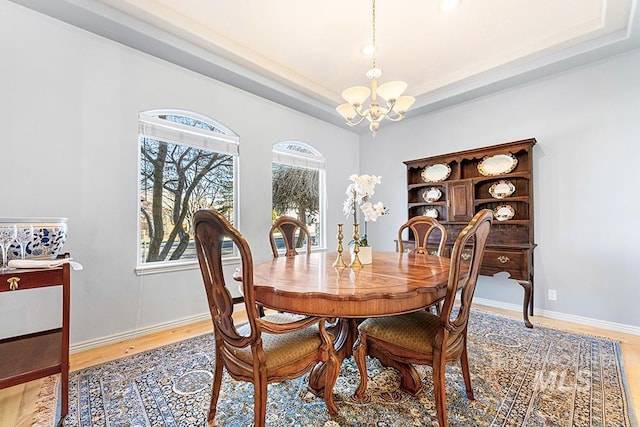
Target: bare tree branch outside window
[(176, 181), (296, 190)]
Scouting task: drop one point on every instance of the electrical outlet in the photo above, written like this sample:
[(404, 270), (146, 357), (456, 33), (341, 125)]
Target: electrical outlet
[(553, 295)]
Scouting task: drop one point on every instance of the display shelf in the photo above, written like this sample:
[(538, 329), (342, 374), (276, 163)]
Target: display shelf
[(27, 356), (503, 200), (468, 189)]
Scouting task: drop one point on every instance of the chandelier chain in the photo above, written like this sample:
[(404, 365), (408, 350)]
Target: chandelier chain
[(373, 38)]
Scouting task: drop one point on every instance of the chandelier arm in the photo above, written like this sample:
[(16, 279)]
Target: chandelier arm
[(386, 113), (394, 119), (356, 123), (361, 114)]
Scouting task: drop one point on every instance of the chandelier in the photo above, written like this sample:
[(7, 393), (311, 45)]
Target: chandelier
[(395, 104)]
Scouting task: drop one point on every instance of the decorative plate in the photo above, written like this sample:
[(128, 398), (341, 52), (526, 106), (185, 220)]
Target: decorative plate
[(431, 195), (503, 212), (501, 189), (431, 213), (436, 173), (497, 165)]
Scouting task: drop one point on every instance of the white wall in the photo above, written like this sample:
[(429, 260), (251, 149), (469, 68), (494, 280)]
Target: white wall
[(68, 109), (586, 179)]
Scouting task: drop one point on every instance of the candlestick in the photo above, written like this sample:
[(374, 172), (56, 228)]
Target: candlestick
[(355, 262), (339, 263)]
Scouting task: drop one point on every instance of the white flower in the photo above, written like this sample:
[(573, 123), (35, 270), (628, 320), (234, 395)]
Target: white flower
[(379, 210), (364, 185), (367, 210), (359, 192), (372, 212)]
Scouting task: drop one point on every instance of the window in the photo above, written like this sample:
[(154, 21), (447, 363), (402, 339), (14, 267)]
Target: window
[(187, 162), (298, 175)]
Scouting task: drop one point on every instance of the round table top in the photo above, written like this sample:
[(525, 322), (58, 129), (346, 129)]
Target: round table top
[(394, 283)]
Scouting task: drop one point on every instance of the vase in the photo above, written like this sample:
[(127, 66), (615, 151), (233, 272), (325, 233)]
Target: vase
[(365, 254)]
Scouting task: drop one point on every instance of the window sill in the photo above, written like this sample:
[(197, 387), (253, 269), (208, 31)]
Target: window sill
[(168, 267)]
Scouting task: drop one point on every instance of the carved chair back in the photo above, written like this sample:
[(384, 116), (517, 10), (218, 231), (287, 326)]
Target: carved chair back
[(473, 236), (213, 235), (421, 228), (288, 227)]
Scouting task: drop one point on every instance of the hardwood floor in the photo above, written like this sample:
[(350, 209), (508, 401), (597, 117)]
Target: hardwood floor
[(18, 403)]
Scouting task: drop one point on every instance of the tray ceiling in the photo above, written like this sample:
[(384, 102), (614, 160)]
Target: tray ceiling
[(303, 54)]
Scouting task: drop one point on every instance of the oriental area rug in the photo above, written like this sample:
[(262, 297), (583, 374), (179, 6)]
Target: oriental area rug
[(520, 377)]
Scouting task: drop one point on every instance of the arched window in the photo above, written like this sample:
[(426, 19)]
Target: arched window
[(298, 186), (187, 162)]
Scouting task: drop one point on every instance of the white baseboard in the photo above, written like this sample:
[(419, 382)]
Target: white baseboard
[(116, 338), (581, 320)]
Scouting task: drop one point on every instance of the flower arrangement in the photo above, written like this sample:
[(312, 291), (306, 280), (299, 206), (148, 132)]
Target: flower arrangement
[(359, 192)]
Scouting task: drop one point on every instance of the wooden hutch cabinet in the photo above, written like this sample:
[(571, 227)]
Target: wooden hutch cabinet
[(453, 187)]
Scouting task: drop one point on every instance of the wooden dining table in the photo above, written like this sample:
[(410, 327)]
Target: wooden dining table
[(395, 283)]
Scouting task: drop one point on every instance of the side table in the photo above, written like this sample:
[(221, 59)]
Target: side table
[(39, 354)]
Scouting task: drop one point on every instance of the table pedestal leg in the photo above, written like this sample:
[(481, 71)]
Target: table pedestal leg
[(345, 333), (410, 379)]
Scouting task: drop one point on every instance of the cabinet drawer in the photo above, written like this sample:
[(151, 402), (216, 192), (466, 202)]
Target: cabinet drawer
[(503, 259), (497, 261), (29, 279)]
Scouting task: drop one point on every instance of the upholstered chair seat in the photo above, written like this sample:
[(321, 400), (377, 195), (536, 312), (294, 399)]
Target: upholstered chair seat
[(414, 331), (282, 350)]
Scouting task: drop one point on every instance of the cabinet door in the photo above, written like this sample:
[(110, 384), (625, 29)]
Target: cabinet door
[(460, 201)]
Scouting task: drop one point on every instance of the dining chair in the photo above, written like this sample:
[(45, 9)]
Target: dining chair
[(424, 338), (421, 227), (266, 349), (288, 227)]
